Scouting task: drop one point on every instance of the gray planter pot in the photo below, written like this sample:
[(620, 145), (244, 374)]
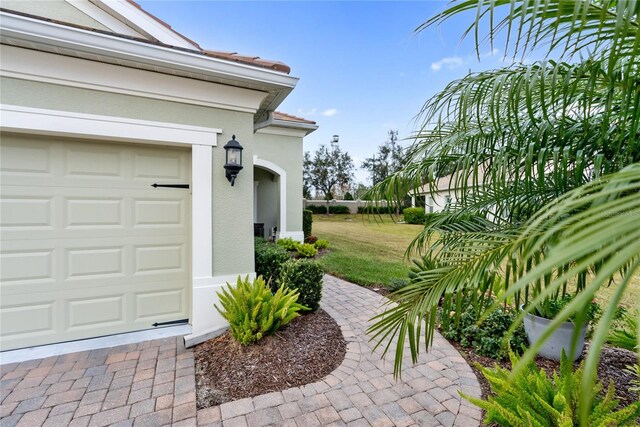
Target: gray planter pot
[(535, 326)]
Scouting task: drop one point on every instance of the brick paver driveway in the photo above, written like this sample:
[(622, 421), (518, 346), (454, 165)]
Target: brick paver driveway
[(153, 384)]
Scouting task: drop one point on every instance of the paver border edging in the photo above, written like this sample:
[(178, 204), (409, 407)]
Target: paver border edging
[(361, 391)]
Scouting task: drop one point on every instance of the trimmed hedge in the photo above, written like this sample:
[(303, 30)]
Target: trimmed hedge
[(333, 209), (269, 258), (305, 276), (339, 209), (307, 222), (376, 210), (414, 215), (317, 209)]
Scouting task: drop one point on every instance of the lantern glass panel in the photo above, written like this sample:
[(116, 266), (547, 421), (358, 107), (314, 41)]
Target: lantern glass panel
[(234, 156)]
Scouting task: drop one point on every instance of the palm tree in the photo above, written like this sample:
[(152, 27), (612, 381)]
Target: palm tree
[(544, 160)]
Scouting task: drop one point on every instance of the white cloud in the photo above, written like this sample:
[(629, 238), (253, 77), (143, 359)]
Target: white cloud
[(303, 113), (330, 112), (492, 52), (450, 62), (453, 62)]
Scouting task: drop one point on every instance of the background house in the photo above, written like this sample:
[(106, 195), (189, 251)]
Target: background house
[(435, 200), (99, 101)]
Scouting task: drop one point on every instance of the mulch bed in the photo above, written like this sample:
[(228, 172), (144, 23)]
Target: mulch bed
[(312, 346), (303, 352)]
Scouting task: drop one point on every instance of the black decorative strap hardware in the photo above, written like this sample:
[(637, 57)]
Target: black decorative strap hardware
[(170, 185), (173, 322)]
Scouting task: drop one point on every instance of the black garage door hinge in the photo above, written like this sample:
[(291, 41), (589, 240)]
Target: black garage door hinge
[(170, 185), (172, 322)]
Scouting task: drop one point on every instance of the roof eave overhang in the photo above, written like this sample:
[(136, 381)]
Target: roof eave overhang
[(42, 35), (307, 128)]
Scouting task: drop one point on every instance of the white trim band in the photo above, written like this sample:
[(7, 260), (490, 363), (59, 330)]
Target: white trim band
[(295, 235), (106, 128)]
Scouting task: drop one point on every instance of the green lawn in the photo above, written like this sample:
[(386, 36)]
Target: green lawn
[(367, 250)]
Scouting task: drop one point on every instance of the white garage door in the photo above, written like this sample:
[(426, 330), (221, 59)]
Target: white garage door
[(88, 247)]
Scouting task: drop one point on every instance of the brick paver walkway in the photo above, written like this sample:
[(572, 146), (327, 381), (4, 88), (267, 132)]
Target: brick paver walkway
[(153, 384)]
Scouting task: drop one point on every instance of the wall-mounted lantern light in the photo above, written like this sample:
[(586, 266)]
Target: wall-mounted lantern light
[(233, 164)]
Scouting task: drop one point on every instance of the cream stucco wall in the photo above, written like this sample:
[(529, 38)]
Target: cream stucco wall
[(286, 152)]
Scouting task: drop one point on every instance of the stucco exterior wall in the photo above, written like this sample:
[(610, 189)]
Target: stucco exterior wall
[(232, 246), (286, 152), (58, 10)]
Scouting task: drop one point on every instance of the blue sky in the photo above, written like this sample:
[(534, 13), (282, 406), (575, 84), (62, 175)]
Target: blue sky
[(362, 69)]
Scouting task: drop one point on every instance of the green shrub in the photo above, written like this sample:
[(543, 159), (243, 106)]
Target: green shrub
[(534, 399), (305, 276), (376, 210), (348, 196), (307, 222), (339, 209), (626, 334), (317, 209), (269, 258), (306, 250), (486, 338), (321, 244), (254, 312), (397, 283), (414, 215), (430, 217), (287, 243), (635, 382)]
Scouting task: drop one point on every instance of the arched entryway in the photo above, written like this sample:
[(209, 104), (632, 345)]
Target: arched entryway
[(269, 198)]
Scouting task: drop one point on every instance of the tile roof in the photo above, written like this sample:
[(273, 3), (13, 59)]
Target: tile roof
[(290, 118), (229, 56), (249, 60)]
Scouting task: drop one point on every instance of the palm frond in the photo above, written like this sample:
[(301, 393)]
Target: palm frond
[(543, 160)]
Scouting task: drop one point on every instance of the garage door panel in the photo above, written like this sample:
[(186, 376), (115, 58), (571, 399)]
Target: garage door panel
[(95, 313), (22, 157), (28, 319), (47, 317), (91, 212), (170, 303), (26, 212), (159, 212), (27, 265), (95, 262), (160, 165), (159, 259), (88, 247), (96, 163), (36, 216)]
